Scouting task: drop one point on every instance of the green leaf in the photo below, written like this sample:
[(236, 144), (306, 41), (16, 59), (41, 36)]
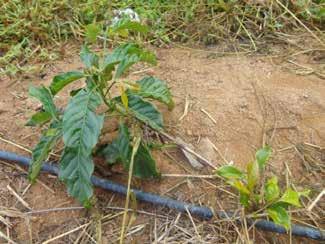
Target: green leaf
[(125, 64), (127, 55), (252, 175), (154, 88), (272, 191), (120, 148), (304, 193), (244, 199), (92, 31), (39, 118), (88, 58), (107, 67), (124, 98), (262, 156), (240, 187), (42, 150), (81, 125), (291, 197), (144, 111), (120, 151), (127, 24), (76, 168), (279, 215), (230, 172), (61, 80), (81, 129), (144, 164), (45, 97)]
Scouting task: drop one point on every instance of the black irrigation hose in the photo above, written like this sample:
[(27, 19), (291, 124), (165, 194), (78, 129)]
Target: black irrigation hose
[(202, 212)]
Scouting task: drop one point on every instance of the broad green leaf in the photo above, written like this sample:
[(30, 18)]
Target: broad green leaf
[(144, 164), (127, 24), (279, 215), (252, 175), (61, 80), (107, 67), (120, 151), (125, 64), (230, 172), (272, 191), (240, 187), (144, 111), (262, 156), (120, 148), (88, 58), (154, 88), (81, 129), (42, 150), (81, 125), (45, 97), (76, 168), (39, 118), (92, 31), (291, 197), (127, 55)]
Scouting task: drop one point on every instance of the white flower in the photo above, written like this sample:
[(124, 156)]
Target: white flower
[(121, 13)]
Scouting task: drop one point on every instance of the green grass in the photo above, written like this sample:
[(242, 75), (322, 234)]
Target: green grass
[(32, 31)]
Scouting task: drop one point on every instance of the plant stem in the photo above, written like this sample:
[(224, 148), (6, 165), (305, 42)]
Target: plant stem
[(137, 141)]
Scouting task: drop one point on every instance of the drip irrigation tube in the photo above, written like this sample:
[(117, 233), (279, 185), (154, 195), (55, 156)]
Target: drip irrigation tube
[(203, 212)]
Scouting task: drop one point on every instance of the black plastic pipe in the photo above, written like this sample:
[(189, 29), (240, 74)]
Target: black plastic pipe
[(203, 212)]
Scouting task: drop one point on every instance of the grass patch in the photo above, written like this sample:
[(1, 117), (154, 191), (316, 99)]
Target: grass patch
[(33, 31)]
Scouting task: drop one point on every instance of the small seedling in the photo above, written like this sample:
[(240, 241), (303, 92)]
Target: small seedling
[(80, 123), (255, 194)]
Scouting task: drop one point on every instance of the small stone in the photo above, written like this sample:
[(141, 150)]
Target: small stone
[(190, 157)]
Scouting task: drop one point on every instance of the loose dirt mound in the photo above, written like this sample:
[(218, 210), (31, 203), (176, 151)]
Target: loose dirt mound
[(237, 102)]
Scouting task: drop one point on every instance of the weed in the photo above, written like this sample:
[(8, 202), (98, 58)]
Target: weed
[(27, 27), (256, 191), (80, 123)]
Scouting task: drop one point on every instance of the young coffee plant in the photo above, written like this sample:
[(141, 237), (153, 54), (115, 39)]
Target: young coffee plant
[(79, 124), (257, 194)]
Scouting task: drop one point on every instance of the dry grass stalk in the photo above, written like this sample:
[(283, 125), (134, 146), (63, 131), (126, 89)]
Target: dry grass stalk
[(15, 194), (209, 115)]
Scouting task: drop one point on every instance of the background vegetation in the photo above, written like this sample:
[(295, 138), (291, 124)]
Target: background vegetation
[(35, 31)]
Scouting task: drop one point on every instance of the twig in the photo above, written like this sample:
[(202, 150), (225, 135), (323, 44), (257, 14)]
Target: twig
[(187, 103), (312, 205), (15, 144), (138, 211), (209, 115), (109, 216), (22, 170), (194, 226), (137, 141), (141, 71), (6, 238), (15, 194), (220, 154), (41, 211), (67, 233), (22, 147), (189, 176)]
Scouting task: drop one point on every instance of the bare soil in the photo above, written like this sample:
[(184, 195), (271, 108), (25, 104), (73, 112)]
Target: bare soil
[(239, 103)]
